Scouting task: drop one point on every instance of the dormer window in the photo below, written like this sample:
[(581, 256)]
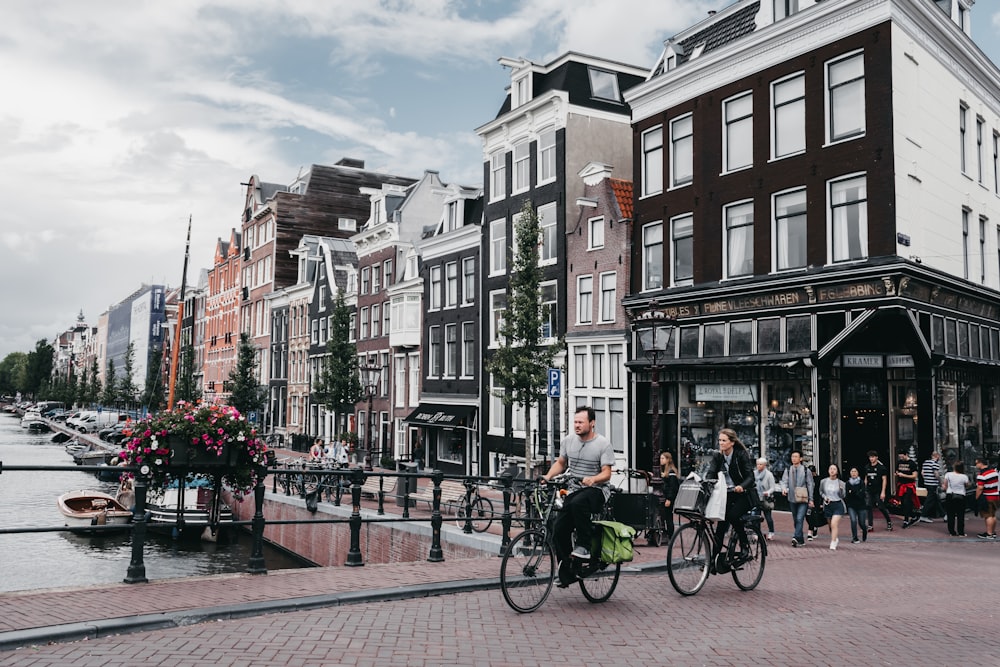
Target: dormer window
[(451, 217), (604, 85), (377, 211), (347, 224), (520, 92), (785, 8)]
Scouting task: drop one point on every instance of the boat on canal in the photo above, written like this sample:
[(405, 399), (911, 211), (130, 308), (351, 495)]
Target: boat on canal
[(93, 508), (203, 515)]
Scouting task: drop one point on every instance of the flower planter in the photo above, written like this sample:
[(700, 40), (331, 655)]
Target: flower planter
[(184, 454)]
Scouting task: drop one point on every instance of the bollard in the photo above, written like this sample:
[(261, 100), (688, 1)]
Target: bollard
[(469, 486), (137, 568), (508, 491), (256, 563), (436, 554), (381, 495), (354, 554)]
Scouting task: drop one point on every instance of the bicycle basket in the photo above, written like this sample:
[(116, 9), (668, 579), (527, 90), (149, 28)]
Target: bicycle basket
[(692, 497)]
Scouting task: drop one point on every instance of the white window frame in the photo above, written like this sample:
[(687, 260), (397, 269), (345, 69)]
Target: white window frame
[(595, 233), (450, 350), (732, 230), (963, 137), (548, 242), (546, 156), (652, 161), (451, 284), (553, 303), (376, 277), (585, 299), (521, 167), (737, 132), (781, 222), (469, 357), (648, 229), (498, 306), (434, 351), (788, 115), (608, 297), (682, 151), (832, 209), (498, 175), (600, 78), (399, 390), (468, 280), (434, 291), (498, 247), (838, 90), (678, 236)]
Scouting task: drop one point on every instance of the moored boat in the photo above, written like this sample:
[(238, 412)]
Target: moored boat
[(92, 508), (201, 515)]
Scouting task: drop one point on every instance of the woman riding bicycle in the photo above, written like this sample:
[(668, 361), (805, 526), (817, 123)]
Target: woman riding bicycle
[(736, 464), (588, 457)]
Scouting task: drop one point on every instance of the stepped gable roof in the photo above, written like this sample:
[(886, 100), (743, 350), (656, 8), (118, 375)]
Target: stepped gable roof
[(623, 194)]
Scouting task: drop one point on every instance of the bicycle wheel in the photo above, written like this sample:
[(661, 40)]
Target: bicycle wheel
[(747, 564), (599, 586), (482, 514), (688, 557), (527, 571)]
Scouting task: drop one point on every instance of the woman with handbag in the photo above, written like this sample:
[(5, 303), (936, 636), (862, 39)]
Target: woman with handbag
[(797, 484), (832, 490), (766, 488)]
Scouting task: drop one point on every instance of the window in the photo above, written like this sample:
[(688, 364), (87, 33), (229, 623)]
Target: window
[(608, 297), (965, 243), (682, 245), (584, 299), (785, 8), (498, 246), (434, 297), (790, 230), (547, 231), (399, 384), (652, 161), (652, 256), (519, 92), (769, 335), (450, 350), (788, 99), (597, 366), (849, 219), (387, 272), (451, 221), (996, 163), (498, 176), (376, 320), (604, 85), (798, 333), (580, 367), (595, 233), (963, 138), (468, 280), (364, 324), (353, 327), (739, 239), (738, 132), (681, 151), (451, 284), (414, 368), (498, 305), (615, 366), (365, 279), (522, 166), (982, 249), (846, 97), (546, 156), (979, 148), (715, 340), (434, 351), (550, 309), (385, 318), (376, 278), (468, 349), (740, 338), (347, 224)]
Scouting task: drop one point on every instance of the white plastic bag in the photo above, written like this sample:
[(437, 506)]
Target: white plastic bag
[(716, 508)]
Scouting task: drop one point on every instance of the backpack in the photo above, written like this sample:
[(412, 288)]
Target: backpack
[(615, 541)]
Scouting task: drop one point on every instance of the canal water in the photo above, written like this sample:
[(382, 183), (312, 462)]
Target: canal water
[(61, 559)]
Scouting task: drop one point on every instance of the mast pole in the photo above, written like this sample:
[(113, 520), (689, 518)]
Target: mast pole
[(175, 350)]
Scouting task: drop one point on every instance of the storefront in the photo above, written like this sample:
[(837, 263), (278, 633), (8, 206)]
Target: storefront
[(447, 437), (886, 359)]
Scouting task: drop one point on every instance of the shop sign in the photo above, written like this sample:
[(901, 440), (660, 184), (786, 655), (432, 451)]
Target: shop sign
[(861, 361), (899, 361), (733, 393)]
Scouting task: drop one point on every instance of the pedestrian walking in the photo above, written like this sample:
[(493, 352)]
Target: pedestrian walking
[(955, 484), (815, 518), (832, 490), (931, 473), (877, 481), (856, 499), (766, 488), (987, 496), (671, 485), (906, 487), (797, 485)]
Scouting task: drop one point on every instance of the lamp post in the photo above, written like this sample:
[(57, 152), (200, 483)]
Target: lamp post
[(654, 331), (370, 373)]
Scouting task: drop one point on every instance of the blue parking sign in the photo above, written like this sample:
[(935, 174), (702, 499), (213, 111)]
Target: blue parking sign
[(555, 383)]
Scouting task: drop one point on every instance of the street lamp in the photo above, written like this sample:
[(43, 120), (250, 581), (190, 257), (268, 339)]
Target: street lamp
[(370, 374), (654, 331)]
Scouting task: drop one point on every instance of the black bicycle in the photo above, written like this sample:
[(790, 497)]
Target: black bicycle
[(480, 514), (693, 554), (528, 569)]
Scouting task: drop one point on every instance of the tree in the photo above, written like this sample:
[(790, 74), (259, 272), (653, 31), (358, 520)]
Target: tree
[(153, 393), (127, 390), (339, 387), (187, 388), (94, 389), (11, 368), (245, 393), (39, 367), (110, 393), (521, 362)]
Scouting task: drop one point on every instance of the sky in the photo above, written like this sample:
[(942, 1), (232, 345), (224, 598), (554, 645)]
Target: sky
[(120, 120)]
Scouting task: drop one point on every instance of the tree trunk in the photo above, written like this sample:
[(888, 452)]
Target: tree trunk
[(527, 442)]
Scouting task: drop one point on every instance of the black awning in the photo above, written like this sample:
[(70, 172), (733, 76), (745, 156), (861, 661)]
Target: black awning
[(439, 414)]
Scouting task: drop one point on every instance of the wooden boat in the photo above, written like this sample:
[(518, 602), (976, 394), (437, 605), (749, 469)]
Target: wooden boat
[(92, 508), (197, 516)]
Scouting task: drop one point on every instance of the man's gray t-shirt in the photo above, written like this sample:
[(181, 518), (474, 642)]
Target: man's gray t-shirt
[(585, 459)]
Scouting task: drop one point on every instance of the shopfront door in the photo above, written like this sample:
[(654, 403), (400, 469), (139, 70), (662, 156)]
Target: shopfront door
[(864, 420)]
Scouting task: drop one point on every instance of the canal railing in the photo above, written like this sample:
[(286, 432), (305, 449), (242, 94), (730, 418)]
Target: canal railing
[(458, 493)]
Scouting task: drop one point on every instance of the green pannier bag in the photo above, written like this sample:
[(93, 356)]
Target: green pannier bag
[(616, 541)]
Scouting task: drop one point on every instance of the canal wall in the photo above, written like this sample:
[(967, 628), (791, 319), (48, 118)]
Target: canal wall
[(327, 544)]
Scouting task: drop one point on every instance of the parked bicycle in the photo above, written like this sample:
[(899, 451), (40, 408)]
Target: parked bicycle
[(480, 511), (693, 552), (528, 569)]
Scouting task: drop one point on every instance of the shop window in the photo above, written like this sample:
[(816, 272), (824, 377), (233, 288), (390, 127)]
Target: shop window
[(950, 337), (769, 336), (974, 341), (937, 334), (799, 330), (963, 339), (740, 338), (689, 342), (995, 344), (715, 340)]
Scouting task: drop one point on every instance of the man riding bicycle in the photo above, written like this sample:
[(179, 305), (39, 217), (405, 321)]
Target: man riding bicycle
[(588, 457), (736, 464)]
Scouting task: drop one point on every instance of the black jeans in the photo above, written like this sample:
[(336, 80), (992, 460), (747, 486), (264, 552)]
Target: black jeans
[(576, 512), (954, 504), (876, 503), (932, 503), (737, 504)]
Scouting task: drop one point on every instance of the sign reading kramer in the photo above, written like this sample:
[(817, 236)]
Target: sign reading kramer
[(735, 393)]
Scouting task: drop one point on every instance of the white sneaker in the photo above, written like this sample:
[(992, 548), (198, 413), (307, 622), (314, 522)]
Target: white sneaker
[(833, 544), (925, 519), (581, 552), (770, 536)]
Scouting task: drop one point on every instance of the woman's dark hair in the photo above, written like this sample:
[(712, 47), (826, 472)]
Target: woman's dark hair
[(731, 434), (959, 467)]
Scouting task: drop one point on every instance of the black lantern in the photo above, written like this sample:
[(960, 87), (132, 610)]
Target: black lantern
[(654, 334), (370, 374)]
